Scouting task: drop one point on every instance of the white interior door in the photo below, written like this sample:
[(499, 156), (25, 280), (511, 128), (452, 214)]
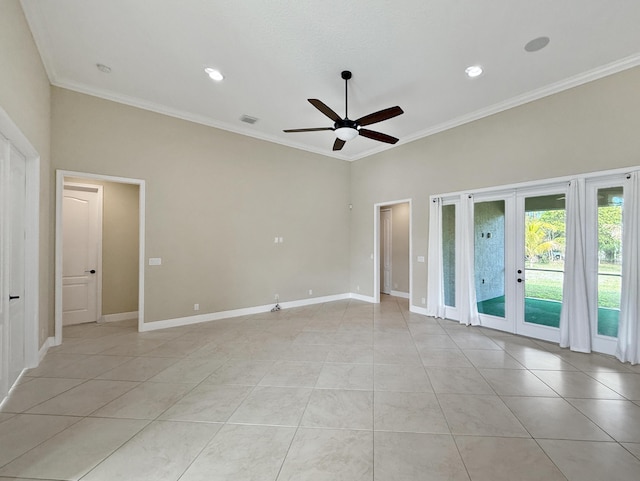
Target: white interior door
[(385, 236), (13, 213), (82, 226)]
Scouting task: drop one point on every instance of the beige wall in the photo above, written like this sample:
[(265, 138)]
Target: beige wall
[(120, 245), (25, 96), (589, 128), (214, 203)]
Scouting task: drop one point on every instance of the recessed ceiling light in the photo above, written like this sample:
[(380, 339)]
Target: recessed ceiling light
[(214, 74), (473, 71), (103, 68), (536, 44)]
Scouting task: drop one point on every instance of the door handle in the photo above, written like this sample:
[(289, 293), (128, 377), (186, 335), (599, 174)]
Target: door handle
[(92, 271), (11, 298), (520, 280)]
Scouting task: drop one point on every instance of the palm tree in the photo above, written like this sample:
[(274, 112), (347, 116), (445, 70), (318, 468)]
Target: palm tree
[(538, 239)]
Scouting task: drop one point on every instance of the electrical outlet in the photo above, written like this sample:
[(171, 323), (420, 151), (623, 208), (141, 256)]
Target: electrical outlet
[(310, 292), (275, 241), (358, 288), (424, 300), (196, 307), (277, 297), (281, 239)]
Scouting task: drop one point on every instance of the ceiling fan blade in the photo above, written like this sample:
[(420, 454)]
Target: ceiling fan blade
[(315, 129), (324, 109), (380, 116), (338, 144), (372, 134)]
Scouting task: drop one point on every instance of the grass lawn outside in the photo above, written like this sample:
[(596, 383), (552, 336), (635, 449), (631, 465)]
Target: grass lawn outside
[(543, 297)]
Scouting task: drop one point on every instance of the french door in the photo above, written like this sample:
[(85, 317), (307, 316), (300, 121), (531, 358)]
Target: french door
[(518, 260), (604, 260), (519, 257)]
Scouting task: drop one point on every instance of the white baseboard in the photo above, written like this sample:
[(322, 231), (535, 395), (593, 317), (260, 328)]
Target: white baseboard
[(404, 295), (121, 316), (215, 316), (51, 341), (360, 297), (247, 311), (418, 310)]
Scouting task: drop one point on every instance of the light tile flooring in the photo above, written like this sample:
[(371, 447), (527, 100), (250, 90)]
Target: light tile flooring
[(340, 391)]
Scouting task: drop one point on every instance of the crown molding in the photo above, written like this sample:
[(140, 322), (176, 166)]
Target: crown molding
[(566, 84)]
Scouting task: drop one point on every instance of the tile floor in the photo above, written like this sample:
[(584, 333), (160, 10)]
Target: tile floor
[(339, 391)]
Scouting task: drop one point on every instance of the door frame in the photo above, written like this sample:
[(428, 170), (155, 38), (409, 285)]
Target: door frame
[(60, 175), (10, 133), (376, 247), (100, 191)]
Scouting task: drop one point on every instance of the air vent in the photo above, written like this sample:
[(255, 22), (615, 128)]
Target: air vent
[(248, 119)]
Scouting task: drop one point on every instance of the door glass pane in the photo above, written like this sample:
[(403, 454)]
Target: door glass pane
[(490, 257), (544, 245), (610, 202), (449, 253)]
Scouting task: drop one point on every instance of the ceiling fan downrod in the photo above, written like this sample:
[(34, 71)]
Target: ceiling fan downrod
[(346, 75)]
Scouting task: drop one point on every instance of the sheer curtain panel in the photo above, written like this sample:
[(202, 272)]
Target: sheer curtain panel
[(575, 324), (468, 303), (628, 349)]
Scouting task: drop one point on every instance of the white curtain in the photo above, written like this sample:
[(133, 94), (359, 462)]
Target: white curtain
[(468, 303), (628, 349), (435, 269), (575, 324)]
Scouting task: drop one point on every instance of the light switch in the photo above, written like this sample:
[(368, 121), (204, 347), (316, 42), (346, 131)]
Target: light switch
[(420, 258), (155, 261)]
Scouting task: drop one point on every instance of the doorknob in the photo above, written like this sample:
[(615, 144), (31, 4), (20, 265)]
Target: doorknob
[(11, 298), (92, 271)]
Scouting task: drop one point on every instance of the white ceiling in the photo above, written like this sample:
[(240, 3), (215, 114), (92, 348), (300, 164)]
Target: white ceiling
[(275, 54)]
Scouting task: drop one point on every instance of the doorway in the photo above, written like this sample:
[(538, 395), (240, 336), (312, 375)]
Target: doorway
[(99, 255), (392, 249)]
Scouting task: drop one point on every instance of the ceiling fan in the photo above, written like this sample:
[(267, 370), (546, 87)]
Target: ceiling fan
[(347, 129)]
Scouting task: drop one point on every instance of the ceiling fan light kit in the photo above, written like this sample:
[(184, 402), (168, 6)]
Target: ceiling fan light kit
[(346, 133), (347, 129)]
